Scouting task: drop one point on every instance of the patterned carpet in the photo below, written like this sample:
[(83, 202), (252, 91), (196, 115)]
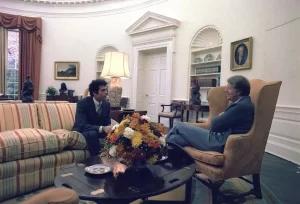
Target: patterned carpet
[(200, 193)]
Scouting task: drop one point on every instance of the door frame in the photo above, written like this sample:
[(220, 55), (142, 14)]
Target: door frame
[(167, 43)]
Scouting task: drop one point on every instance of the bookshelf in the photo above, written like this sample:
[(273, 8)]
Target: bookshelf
[(205, 60)]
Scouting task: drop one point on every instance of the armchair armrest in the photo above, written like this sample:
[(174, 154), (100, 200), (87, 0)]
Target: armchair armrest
[(243, 155), (163, 107)]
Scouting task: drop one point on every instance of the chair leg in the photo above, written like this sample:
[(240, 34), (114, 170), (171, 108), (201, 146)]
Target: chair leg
[(256, 185), (170, 123), (158, 119)]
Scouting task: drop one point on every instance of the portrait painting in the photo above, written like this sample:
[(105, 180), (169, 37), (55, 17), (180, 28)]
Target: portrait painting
[(241, 54), (66, 70)]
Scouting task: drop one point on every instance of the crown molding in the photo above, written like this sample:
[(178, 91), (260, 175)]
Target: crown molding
[(65, 2), (98, 10)]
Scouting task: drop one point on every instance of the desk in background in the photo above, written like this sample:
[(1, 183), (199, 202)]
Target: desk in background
[(119, 115)]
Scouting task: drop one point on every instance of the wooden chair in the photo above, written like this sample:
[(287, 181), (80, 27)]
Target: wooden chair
[(243, 153), (178, 107)]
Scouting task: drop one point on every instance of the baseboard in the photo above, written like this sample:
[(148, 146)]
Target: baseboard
[(283, 151), (284, 138)]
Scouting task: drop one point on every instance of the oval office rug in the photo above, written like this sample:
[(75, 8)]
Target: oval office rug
[(200, 193)]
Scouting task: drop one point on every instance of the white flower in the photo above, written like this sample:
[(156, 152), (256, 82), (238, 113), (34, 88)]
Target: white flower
[(128, 132), (162, 140), (115, 126), (146, 117), (113, 151)]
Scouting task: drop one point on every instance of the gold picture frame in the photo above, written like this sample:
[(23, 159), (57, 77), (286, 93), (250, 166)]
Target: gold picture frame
[(241, 54), (64, 70)]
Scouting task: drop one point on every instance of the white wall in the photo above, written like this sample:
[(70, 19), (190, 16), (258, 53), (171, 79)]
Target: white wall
[(275, 49)]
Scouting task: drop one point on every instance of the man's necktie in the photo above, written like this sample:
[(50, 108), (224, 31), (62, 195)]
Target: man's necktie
[(99, 111)]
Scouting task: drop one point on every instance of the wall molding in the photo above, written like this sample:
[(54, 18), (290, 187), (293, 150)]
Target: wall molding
[(284, 138), (75, 10)]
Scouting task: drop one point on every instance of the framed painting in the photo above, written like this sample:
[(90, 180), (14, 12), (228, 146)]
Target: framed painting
[(66, 70), (241, 54)]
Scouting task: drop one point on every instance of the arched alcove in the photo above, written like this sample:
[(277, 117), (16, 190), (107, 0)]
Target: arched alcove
[(205, 60), (100, 58)]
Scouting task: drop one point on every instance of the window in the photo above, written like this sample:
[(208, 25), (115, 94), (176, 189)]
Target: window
[(12, 71)]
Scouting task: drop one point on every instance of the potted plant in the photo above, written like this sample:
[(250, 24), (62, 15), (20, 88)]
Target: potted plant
[(51, 92)]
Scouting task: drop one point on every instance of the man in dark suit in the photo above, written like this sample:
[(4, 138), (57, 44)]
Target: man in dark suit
[(92, 118), (236, 119)]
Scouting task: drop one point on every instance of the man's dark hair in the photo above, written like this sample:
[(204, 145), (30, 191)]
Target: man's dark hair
[(94, 85), (241, 84)]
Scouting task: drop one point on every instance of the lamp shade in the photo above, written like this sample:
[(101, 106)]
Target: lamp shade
[(115, 65)]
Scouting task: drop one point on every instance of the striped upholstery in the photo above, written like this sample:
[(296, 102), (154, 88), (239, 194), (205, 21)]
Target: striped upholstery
[(55, 116), (29, 142), (18, 115), (23, 176), (76, 140)]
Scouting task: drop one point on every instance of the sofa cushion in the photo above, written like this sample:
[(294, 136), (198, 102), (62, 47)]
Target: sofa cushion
[(28, 142), (208, 157), (76, 140), (22, 176), (17, 116), (55, 116)]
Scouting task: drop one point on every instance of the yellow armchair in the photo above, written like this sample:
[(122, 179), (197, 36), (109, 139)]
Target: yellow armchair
[(243, 153)]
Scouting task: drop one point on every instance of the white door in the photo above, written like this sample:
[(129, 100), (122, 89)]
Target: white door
[(154, 81)]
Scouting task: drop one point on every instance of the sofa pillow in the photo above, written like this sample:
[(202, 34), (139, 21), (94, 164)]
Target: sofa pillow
[(29, 142), (75, 140)]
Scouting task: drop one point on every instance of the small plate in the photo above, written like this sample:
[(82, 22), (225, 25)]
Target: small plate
[(97, 169)]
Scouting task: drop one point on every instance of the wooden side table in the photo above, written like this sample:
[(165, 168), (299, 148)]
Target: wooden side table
[(187, 108), (119, 115)]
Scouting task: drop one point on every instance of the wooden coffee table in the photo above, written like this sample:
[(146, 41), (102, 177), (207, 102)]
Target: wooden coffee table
[(169, 174)]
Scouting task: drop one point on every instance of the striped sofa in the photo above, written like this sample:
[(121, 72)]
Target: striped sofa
[(35, 142)]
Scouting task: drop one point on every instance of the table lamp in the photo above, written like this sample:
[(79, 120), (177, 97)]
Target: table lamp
[(116, 68)]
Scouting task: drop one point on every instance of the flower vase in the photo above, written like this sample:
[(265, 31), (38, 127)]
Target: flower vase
[(138, 175)]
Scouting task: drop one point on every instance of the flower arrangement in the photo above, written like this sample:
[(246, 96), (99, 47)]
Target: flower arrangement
[(137, 139)]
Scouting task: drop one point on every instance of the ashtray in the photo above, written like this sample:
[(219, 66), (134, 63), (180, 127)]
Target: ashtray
[(98, 169)]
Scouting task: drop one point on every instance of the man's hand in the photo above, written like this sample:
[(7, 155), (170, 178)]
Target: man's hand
[(106, 129)]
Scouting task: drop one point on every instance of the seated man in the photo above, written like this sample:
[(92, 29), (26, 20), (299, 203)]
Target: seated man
[(92, 118), (237, 119)]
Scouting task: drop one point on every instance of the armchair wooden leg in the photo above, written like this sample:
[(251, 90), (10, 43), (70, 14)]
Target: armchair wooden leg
[(219, 197), (256, 185)]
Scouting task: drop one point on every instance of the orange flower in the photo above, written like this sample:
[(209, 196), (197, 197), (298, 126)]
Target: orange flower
[(136, 115), (145, 127), (154, 143), (113, 138), (134, 123)]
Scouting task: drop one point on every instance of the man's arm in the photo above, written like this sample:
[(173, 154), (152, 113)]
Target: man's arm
[(81, 119), (228, 119)]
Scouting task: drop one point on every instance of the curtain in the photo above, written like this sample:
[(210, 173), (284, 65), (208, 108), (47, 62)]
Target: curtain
[(30, 47), (3, 59), (30, 60)]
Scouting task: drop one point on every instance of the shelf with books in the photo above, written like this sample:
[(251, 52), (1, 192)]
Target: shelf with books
[(209, 62)]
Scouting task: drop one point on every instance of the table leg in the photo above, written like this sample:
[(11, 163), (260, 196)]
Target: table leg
[(187, 115)]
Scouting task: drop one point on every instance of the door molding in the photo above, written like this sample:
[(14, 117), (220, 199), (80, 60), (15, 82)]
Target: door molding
[(152, 31), (169, 59)]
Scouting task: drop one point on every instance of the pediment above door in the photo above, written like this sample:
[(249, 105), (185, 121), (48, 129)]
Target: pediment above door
[(153, 23)]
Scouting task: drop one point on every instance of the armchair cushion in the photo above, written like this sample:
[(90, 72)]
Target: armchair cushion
[(28, 142), (208, 157)]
